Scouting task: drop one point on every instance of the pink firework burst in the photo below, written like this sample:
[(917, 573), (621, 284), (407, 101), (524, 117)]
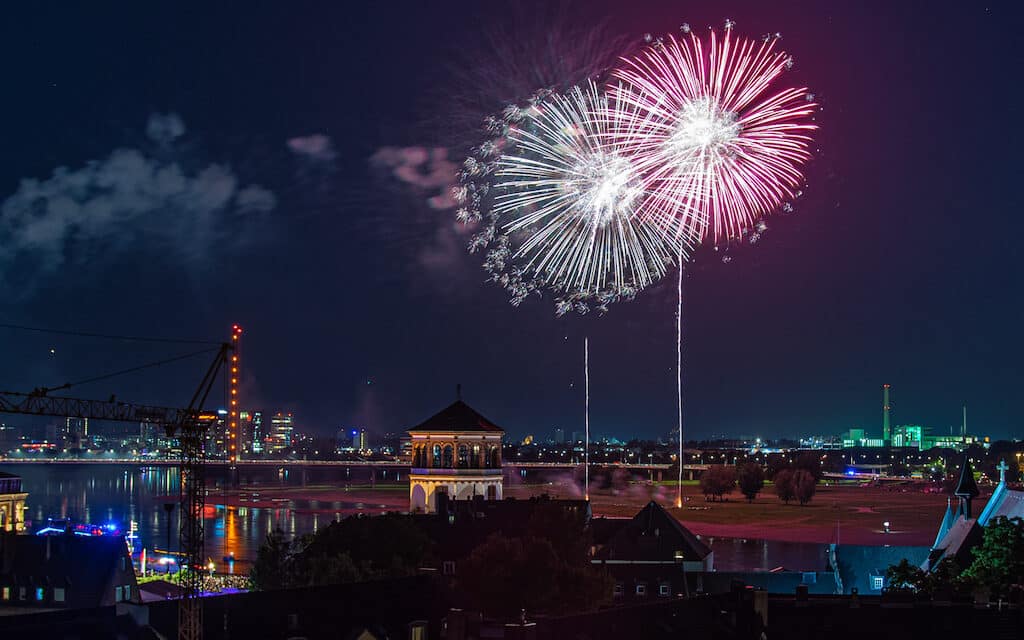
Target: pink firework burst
[(720, 143)]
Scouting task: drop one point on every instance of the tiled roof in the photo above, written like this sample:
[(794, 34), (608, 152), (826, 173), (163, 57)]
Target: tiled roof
[(458, 416)]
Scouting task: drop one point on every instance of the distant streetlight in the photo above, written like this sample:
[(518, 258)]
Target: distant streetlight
[(886, 525)]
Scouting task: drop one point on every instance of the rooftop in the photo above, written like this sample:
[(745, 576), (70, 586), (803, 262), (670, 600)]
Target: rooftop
[(457, 416)]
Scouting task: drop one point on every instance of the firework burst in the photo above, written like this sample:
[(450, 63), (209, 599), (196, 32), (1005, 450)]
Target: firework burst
[(560, 196), (719, 144)]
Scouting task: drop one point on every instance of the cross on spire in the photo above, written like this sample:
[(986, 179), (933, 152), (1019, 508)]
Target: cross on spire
[(1002, 471)]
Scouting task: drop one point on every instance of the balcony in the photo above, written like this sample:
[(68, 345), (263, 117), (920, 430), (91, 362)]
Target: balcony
[(469, 471)]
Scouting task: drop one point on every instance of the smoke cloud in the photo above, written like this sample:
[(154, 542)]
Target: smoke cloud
[(316, 147), (428, 170), (130, 197)]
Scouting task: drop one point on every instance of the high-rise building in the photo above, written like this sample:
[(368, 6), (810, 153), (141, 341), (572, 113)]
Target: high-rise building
[(559, 436), (281, 428)]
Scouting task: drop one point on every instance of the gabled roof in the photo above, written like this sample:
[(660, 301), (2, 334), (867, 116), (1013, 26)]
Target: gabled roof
[(966, 487), (457, 416), (964, 535), (1004, 502), (654, 534)]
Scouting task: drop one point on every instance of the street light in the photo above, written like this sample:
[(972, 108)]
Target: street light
[(886, 525)]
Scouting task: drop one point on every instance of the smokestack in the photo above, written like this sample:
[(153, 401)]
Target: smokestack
[(886, 411)]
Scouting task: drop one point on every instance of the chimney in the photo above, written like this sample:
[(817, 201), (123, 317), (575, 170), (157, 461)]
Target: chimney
[(886, 411)]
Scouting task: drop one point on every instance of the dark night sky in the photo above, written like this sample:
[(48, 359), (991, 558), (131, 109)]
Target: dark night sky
[(900, 265)]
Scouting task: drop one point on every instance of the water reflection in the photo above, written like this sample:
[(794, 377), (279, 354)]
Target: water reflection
[(99, 494)]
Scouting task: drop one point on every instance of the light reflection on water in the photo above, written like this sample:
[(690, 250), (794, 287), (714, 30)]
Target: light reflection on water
[(118, 493), (99, 494)]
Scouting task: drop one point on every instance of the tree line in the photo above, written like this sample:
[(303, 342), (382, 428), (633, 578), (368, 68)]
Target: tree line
[(793, 481)]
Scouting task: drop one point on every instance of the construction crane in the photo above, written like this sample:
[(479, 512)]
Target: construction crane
[(183, 424)]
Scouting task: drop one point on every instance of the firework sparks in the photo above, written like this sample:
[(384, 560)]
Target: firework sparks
[(719, 145), (560, 199)]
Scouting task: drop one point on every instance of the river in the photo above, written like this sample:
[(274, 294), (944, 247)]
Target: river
[(120, 494)]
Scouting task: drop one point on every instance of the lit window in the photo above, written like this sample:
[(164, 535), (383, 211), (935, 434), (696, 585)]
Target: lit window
[(418, 630), (618, 590), (127, 592), (877, 582), (641, 589), (39, 594), (664, 589), (118, 593), (58, 594), (5, 593)]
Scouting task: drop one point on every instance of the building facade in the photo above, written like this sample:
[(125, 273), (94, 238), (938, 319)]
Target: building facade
[(282, 426), (12, 503), (456, 452)]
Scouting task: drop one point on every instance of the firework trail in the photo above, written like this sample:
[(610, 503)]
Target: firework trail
[(720, 145), (559, 198)]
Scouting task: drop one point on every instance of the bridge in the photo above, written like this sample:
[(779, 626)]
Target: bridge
[(654, 471)]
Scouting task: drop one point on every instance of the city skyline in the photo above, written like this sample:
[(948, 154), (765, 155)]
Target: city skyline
[(362, 309)]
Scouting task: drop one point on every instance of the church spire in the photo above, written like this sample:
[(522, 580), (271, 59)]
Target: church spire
[(966, 488)]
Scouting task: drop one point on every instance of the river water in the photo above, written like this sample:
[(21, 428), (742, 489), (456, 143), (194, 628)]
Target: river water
[(120, 494)]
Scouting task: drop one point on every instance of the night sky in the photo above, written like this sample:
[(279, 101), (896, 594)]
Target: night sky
[(217, 169)]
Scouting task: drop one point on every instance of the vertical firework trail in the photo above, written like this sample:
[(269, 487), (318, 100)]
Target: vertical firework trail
[(586, 444), (679, 379)]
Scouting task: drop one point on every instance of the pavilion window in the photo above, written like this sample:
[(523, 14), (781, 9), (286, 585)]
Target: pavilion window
[(58, 594), (463, 456), (436, 457), (40, 594)]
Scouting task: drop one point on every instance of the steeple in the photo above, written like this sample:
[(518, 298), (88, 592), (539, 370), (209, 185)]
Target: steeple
[(947, 521), (966, 488)]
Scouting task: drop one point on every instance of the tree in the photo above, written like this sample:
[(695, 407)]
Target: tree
[(784, 485), (505, 575), (809, 461), (904, 577), (751, 480), (999, 561), (352, 550), (804, 485), (718, 480), (273, 566), (944, 577)]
